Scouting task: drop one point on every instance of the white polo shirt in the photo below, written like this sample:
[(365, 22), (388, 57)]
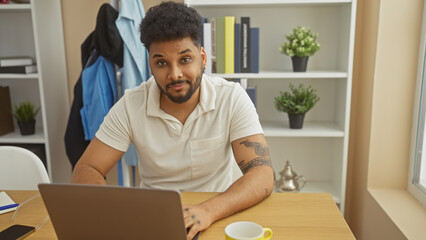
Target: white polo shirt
[(195, 156)]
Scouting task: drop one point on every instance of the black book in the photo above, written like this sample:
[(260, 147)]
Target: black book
[(237, 48), (245, 44), (19, 69)]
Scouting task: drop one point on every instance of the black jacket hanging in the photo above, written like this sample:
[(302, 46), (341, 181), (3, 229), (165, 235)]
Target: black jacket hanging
[(106, 41)]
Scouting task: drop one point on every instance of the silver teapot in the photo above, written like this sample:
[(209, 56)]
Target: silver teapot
[(289, 180)]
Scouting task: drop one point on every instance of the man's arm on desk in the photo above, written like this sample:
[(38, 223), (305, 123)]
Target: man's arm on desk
[(252, 156), (96, 162)]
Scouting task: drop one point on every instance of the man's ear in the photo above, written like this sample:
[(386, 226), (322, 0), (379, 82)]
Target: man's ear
[(203, 56)]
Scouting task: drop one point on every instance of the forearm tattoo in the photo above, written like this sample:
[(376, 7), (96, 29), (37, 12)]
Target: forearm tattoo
[(263, 160)]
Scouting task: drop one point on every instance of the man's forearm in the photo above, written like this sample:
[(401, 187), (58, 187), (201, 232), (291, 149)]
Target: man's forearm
[(95, 163), (251, 188)]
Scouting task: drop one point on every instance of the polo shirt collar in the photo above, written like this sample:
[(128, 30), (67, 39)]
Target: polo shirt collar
[(207, 98)]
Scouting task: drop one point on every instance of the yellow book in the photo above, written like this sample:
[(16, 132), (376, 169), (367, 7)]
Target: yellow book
[(229, 44)]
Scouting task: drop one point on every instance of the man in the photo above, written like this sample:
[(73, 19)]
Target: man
[(187, 127)]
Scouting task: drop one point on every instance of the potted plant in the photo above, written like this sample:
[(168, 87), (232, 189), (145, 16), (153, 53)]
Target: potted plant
[(25, 114), (301, 44), (296, 103)]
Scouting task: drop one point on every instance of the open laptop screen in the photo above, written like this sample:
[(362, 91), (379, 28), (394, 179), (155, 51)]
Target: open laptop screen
[(109, 212)]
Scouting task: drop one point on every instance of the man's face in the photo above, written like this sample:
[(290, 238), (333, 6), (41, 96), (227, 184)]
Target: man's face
[(177, 66)]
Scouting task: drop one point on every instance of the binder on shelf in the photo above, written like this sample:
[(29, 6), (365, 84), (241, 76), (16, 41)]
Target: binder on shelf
[(237, 48), (245, 44), (225, 44), (203, 20), (254, 50), (19, 69), (213, 41), (207, 39), (229, 44), (220, 45), (6, 118), (15, 61)]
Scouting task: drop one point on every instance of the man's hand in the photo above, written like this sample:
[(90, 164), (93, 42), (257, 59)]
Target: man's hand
[(252, 156), (197, 219)]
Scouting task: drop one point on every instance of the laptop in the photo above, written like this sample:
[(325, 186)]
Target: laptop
[(110, 212)]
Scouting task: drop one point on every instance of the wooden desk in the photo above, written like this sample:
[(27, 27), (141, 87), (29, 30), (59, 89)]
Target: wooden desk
[(289, 215)]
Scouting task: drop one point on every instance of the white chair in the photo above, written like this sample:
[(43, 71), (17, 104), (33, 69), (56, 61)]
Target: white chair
[(20, 169)]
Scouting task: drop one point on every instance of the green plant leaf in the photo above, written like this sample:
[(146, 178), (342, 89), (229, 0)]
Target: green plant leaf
[(301, 43), (25, 112), (298, 100)]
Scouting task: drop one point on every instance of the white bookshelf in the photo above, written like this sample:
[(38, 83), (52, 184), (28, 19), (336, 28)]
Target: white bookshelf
[(283, 74), (319, 151), (35, 30), (198, 3), (310, 129), (15, 137), (15, 7), (19, 76)]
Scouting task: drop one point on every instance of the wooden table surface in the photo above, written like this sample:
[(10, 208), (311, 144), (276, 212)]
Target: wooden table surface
[(289, 215)]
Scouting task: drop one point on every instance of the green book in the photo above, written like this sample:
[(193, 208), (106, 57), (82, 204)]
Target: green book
[(220, 45)]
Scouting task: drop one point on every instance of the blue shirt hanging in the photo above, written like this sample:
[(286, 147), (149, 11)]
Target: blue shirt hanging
[(99, 95), (135, 62)]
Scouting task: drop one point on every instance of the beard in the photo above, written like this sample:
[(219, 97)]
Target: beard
[(182, 98)]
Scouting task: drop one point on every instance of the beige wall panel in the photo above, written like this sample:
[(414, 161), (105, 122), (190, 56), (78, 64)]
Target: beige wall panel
[(364, 63), (394, 84), (383, 86), (79, 20)]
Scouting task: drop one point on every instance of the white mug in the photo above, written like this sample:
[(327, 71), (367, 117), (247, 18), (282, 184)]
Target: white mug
[(247, 231)]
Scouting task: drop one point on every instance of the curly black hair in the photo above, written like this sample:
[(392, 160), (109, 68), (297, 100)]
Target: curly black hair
[(170, 21)]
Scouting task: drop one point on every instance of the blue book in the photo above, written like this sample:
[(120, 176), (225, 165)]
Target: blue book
[(254, 50), (237, 48), (251, 91)]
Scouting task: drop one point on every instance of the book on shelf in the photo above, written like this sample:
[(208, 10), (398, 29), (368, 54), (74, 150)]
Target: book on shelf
[(15, 61), (237, 48), (220, 45), (207, 40), (225, 44), (234, 46), (229, 44), (213, 41), (245, 44), (19, 69), (254, 50), (203, 20)]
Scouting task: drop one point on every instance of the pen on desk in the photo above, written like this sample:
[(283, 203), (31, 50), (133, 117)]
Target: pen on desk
[(8, 206)]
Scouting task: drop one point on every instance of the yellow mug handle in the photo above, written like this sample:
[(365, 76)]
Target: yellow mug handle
[(267, 230)]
